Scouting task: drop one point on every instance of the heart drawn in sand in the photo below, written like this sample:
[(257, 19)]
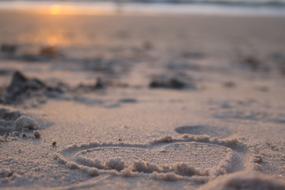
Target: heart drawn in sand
[(183, 157)]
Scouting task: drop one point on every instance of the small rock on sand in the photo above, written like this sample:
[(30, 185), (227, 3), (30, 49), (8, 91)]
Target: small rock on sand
[(99, 84), (37, 135), (53, 144)]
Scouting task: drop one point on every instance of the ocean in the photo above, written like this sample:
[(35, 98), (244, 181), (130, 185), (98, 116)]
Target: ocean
[(237, 7)]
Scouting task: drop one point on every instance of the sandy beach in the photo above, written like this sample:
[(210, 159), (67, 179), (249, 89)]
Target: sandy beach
[(142, 101)]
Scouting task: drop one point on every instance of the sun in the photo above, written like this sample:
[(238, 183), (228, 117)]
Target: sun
[(55, 10)]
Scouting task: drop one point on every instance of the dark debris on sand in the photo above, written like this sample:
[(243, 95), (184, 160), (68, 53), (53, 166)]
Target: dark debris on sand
[(49, 52), (7, 118), (22, 88), (44, 53), (16, 124), (264, 65), (171, 83), (274, 63), (98, 85), (8, 49), (254, 64), (9, 115), (21, 52)]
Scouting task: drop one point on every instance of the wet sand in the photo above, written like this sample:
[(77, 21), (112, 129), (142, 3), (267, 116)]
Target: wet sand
[(142, 102)]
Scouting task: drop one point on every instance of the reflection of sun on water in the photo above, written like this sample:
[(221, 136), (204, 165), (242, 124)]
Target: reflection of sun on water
[(55, 40), (64, 9)]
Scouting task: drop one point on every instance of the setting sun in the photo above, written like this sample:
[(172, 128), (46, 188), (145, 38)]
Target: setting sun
[(55, 10)]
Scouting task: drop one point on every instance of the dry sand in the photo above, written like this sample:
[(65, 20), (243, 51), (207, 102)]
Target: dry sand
[(142, 102)]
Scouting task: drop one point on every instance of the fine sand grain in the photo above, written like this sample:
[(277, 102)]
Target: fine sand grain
[(142, 102)]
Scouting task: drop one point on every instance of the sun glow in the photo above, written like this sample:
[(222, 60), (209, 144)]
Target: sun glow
[(55, 10)]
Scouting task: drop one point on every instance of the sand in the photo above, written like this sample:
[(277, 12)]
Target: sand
[(142, 102)]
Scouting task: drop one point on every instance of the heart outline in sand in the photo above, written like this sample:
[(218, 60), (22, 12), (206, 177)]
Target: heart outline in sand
[(73, 159)]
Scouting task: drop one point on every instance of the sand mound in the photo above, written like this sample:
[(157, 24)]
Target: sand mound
[(22, 89), (245, 181), (14, 121)]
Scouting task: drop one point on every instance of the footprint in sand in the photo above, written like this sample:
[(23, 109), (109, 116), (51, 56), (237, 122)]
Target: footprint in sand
[(212, 131), (166, 158)]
